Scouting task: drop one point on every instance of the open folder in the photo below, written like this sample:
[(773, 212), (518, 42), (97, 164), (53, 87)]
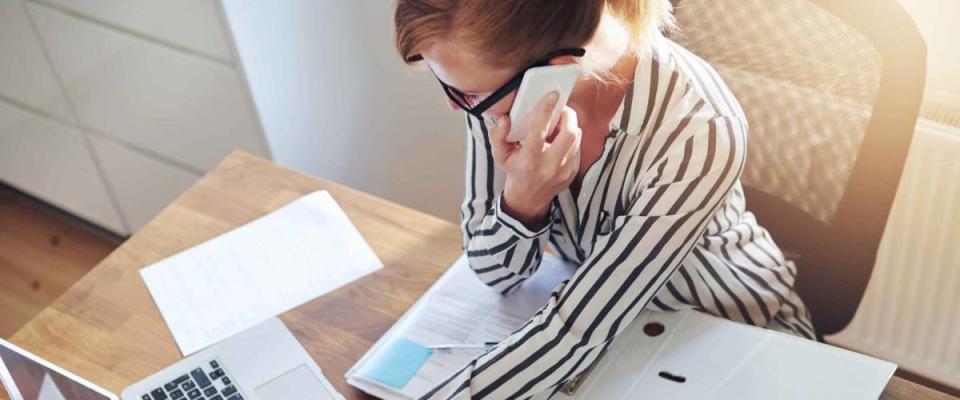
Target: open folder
[(661, 355)]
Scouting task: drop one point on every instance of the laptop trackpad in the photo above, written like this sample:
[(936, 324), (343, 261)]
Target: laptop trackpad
[(298, 383)]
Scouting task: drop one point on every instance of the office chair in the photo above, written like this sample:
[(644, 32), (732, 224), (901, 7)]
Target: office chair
[(831, 90)]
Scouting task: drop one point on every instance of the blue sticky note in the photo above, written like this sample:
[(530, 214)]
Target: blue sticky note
[(398, 362)]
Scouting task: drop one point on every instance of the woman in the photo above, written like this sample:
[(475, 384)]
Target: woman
[(638, 184)]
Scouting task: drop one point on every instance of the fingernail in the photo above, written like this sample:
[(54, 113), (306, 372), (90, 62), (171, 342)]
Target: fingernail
[(552, 98)]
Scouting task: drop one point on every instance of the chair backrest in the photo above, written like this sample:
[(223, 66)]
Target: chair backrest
[(831, 90)]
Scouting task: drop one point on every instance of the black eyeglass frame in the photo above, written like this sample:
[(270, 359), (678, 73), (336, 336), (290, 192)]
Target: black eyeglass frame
[(459, 98)]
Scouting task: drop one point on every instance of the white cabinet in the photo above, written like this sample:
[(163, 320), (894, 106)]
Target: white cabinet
[(148, 95), (142, 185), (189, 24), (25, 75), (51, 161), (109, 109), (186, 108)]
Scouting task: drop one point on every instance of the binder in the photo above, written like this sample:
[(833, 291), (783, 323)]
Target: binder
[(692, 355)]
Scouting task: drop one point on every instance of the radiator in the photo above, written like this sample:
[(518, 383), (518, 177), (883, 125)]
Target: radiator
[(911, 309)]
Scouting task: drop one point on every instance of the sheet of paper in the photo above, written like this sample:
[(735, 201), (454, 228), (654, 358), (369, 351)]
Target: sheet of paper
[(260, 270), (459, 309)]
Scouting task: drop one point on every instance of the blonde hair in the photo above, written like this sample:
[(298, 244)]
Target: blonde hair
[(510, 33)]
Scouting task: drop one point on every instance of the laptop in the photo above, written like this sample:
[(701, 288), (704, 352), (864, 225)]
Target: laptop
[(264, 362)]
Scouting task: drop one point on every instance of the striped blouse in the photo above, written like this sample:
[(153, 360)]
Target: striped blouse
[(659, 223)]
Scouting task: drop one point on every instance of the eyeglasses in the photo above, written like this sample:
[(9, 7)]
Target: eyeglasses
[(470, 103)]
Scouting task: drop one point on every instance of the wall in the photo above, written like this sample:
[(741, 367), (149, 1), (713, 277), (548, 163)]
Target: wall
[(937, 21), (335, 101)]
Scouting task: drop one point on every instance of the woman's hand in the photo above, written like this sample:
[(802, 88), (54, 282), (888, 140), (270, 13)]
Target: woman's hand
[(539, 167)]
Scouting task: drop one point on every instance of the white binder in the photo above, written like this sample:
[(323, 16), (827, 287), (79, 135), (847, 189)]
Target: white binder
[(698, 356)]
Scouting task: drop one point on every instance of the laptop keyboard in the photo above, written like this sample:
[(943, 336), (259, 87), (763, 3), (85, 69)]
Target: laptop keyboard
[(207, 382)]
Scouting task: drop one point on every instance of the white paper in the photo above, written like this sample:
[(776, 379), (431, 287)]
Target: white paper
[(257, 271), (460, 309)]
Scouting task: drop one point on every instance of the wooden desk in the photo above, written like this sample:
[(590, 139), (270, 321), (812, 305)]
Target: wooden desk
[(107, 328)]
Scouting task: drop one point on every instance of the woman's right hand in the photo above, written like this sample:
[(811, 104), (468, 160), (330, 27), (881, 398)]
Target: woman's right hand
[(540, 166)]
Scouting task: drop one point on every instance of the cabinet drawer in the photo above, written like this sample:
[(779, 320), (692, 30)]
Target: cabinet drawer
[(190, 24), (25, 75), (143, 185), (51, 161), (184, 107)]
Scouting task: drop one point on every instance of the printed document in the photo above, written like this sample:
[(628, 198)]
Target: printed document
[(257, 271), (458, 309)]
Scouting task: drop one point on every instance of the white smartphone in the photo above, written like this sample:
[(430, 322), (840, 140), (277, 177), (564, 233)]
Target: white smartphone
[(537, 82)]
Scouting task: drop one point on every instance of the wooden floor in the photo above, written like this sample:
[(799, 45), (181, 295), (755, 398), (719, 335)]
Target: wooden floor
[(42, 253)]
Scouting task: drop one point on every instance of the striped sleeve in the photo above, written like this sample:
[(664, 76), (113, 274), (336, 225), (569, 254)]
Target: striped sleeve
[(500, 249), (695, 157)]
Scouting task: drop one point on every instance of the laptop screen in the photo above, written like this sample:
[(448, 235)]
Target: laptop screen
[(27, 377)]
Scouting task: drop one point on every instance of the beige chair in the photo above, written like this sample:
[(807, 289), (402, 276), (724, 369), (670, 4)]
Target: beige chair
[(831, 90)]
